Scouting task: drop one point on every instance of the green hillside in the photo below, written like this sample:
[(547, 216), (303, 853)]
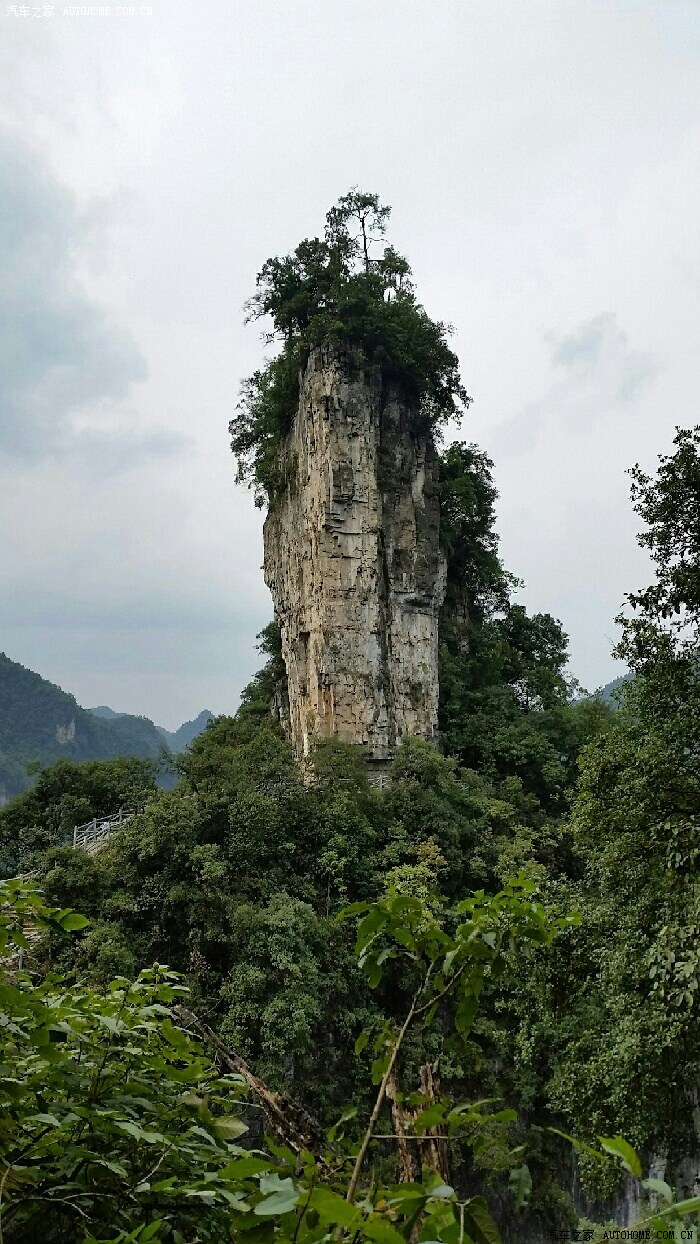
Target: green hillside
[(607, 692), (40, 723), (176, 740)]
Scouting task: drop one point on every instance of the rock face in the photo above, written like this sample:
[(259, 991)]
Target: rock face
[(353, 562), (66, 734)]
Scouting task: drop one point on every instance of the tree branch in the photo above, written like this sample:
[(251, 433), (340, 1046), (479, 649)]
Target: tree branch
[(452, 981), (292, 1123), (362, 1153)]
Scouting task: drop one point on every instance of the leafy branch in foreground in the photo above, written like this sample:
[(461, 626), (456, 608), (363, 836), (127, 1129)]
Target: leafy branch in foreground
[(454, 965), (110, 1116), (665, 622)]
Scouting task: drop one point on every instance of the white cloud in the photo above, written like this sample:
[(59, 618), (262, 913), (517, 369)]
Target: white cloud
[(60, 356), (597, 375)]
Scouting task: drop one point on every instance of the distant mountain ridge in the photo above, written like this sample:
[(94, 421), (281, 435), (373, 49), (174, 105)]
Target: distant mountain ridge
[(40, 723), (608, 691), (176, 740)]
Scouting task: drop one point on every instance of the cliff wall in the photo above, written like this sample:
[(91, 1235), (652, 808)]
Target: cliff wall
[(352, 560)]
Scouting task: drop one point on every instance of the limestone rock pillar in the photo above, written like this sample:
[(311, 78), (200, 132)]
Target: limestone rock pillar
[(353, 562)]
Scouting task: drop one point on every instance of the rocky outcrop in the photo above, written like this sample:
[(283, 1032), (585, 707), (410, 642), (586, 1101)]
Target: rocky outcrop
[(353, 562), (66, 734)]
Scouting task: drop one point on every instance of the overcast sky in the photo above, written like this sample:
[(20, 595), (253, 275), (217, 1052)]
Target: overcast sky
[(542, 161)]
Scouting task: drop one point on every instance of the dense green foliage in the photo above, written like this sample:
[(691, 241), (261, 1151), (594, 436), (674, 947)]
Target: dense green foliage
[(335, 291), (217, 879), (113, 1119), (110, 1117), (64, 795), (236, 879), (505, 701), (613, 1016)]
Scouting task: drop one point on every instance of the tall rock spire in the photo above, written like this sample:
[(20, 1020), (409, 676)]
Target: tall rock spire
[(353, 562)]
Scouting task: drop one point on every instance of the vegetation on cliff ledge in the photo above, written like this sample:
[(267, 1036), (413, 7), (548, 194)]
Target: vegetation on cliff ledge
[(347, 291)]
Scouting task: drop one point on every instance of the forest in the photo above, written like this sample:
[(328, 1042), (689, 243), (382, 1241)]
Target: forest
[(461, 1007)]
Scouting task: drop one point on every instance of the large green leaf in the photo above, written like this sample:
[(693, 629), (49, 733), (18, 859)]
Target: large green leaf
[(282, 1199), (620, 1148), (73, 921), (378, 1228), (659, 1187), (229, 1127), (333, 1208), (689, 1206), (479, 1223)]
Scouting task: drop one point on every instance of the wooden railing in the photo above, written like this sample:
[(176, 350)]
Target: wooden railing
[(94, 833)]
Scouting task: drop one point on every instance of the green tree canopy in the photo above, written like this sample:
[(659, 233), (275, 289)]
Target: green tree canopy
[(666, 615), (66, 794), (506, 707), (618, 1010), (354, 293)]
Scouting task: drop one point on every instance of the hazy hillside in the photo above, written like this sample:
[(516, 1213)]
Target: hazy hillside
[(181, 738), (176, 740), (40, 723), (607, 692)]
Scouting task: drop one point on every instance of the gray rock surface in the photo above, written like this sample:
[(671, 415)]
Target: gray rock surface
[(353, 562)]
